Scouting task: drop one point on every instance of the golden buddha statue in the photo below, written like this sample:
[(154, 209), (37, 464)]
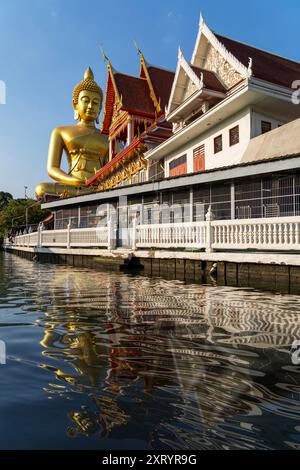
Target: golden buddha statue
[(85, 147)]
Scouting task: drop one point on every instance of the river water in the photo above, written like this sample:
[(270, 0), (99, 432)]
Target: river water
[(98, 360)]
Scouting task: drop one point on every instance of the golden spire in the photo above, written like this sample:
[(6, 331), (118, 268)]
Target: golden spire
[(111, 73), (137, 47), (103, 54), (88, 74), (144, 67)]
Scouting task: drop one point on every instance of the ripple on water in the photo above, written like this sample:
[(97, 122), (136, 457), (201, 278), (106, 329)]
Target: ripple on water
[(102, 357)]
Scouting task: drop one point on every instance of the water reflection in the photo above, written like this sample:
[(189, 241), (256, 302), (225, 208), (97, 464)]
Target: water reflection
[(150, 363)]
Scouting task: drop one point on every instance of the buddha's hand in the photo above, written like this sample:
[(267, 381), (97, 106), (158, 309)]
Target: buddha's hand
[(75, 181)]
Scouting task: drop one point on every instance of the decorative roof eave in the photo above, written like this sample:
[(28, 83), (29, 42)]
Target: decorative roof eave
[(110, 80), (144, 68), (111, 72), (230, 58), (182, 64), (115, 161), (201, 94)]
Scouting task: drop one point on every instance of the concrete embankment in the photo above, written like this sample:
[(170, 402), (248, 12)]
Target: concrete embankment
[(268, 271)]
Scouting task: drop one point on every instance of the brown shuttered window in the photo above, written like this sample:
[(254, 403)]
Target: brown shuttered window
[(199, 158), (199, 151), (265, 126), (218, 144), (234, 136), (178, 166)]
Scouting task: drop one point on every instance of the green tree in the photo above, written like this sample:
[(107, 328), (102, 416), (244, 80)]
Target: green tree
[(5, 198), (14, 213)]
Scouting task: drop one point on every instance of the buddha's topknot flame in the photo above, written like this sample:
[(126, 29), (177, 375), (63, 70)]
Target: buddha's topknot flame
[(88, 83)]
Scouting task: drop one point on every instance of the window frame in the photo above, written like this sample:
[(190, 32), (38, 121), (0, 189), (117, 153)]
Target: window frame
[(231, 140), (262, 122), (220, 136)]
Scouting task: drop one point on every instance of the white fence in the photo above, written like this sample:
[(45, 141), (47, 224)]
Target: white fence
[(261, 234), (70, 238), (276, 233), (185, 235)]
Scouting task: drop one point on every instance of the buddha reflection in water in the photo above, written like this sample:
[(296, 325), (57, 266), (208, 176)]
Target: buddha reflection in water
[(126, 341), (85, 146)]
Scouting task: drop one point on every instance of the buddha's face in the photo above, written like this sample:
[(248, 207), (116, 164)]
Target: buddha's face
[(88, 106)]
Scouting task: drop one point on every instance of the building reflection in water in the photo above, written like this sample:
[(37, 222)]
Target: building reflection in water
[(189, 366)]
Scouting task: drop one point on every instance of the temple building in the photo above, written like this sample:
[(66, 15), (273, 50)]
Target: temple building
[(134, 122), (219, 138), (228, 94)]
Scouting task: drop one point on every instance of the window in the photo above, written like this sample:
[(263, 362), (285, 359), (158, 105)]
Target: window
[(265, 126), (133, 179), (178, 166), (234, 136), (141, 176), (199, 158), (218, 144)]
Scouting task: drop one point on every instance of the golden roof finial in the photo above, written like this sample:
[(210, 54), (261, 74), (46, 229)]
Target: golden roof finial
[(137, 47), (103, 54)]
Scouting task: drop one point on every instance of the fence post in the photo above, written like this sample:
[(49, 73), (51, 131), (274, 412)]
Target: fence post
[(133, 244), (111, 235), (39, 240), (209, 230), (69, 235)]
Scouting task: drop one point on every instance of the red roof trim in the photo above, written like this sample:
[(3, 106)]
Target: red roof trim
[(138, 113)]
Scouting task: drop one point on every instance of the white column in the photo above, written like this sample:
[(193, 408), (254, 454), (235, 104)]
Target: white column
[(129, 132), (79, 217), (111, 148), (191, 205), (133, 246), (209, 230), (69, 235), (232, 200)]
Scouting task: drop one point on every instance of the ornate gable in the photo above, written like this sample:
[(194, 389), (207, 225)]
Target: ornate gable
[(210, 54), (186, 83)]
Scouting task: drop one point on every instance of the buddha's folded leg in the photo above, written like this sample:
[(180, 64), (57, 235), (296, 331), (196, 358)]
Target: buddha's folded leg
[(59, 189)]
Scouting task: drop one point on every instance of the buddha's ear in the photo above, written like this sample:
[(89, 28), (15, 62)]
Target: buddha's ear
[(76, 113)]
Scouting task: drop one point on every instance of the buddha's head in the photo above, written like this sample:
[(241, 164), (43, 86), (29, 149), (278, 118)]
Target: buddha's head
[(87, 98)]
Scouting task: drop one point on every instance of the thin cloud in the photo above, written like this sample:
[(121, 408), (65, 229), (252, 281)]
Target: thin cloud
[(175, 18)]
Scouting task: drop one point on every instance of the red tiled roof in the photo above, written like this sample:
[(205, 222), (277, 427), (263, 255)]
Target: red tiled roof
[(210, 79), (162, 81), (108, 105), (135, 93), (265, 65)]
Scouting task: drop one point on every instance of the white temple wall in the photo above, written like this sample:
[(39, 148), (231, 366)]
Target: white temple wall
[(258, 117), (230, 155)]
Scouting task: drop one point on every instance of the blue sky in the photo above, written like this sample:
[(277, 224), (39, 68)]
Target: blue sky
[(45, 46)]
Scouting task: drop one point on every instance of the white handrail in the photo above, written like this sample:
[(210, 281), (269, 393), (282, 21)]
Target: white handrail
[(85, 237), (275, 233)]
